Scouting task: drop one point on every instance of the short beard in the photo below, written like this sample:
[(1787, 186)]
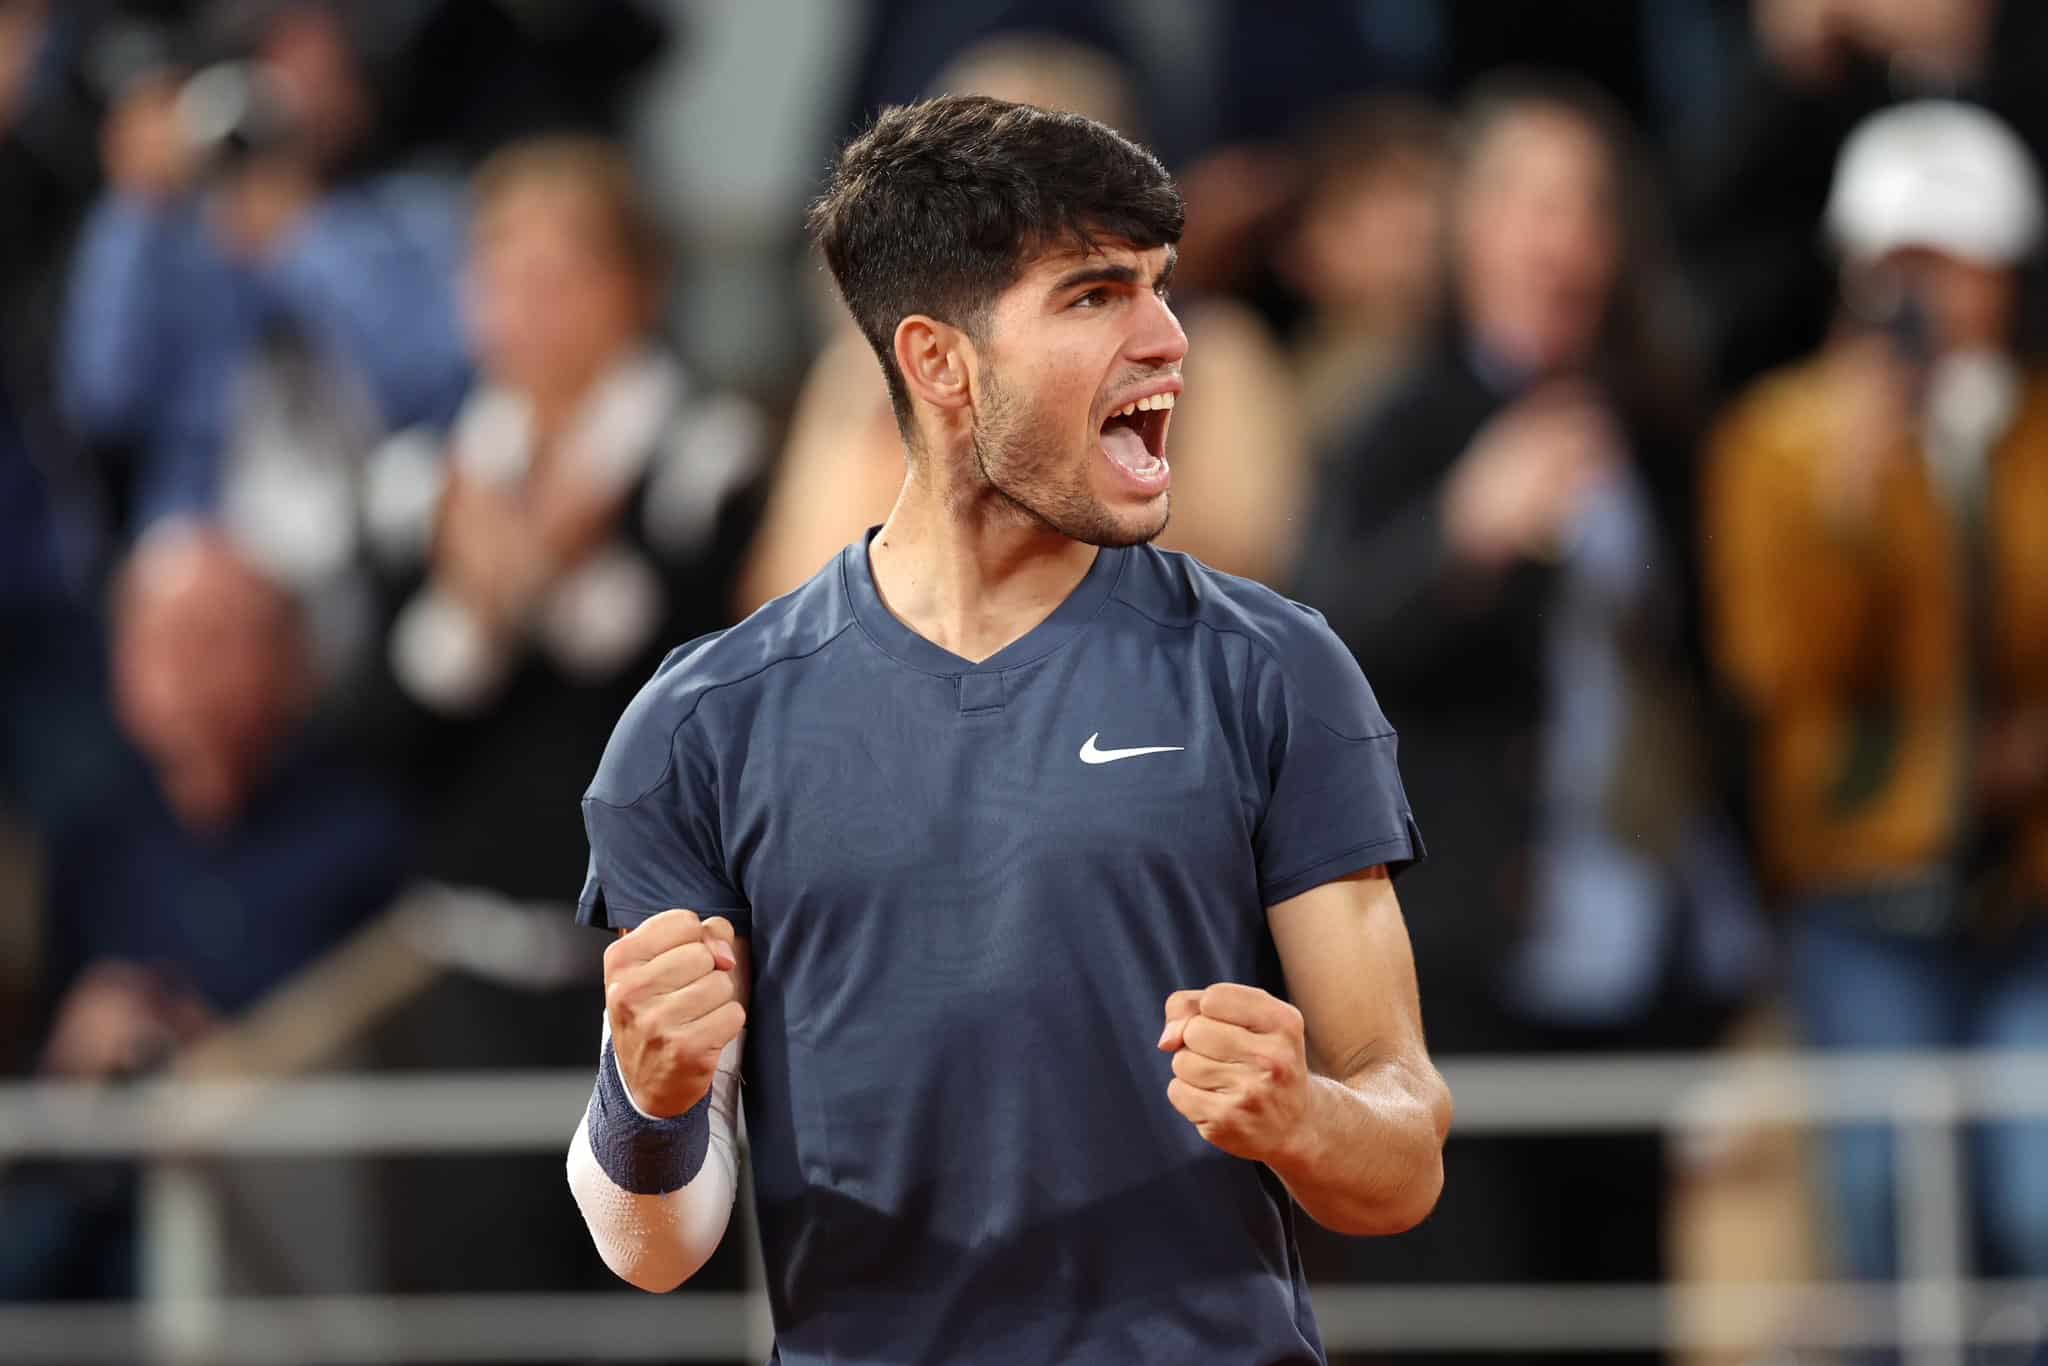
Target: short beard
[(1023, 467)]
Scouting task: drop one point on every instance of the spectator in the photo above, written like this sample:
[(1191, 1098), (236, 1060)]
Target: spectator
[(1751, 196), (170, 915), (843, 464), (280, 847), (584, 516), (1364, 257), (1496, 547), (1873, 532), (236, 226), (213, 673)]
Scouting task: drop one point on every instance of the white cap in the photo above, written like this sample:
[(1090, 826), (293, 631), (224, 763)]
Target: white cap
[(1937, 174)]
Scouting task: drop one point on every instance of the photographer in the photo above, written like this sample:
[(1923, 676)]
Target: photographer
[(1872, 534), (237, 222)]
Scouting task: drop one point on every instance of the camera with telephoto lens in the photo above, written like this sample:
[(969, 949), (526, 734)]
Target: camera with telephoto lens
[(1890, 305), (233, 115)]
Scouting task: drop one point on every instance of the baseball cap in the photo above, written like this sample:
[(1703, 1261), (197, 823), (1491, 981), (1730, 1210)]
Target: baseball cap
[(1938, 174)]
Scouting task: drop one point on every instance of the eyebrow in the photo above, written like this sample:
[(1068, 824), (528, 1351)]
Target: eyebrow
[(1114, 275)]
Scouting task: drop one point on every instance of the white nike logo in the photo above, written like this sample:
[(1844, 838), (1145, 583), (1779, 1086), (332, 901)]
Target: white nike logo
[(1091, 755)]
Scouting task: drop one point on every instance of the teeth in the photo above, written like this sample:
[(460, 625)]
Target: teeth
[(1150, 404)]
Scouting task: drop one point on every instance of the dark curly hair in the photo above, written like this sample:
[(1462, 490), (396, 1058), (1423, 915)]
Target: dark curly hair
[(939, 206)]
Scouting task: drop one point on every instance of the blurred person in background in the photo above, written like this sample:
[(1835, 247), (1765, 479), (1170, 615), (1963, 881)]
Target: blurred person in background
[(239, 296), (1879, 577), (842, 466), (584, 514), (1241, 81), (267, 846), (224, 847), (1500, 547), (172, 914), (1364, 257), (1750, 194), (245, 266)]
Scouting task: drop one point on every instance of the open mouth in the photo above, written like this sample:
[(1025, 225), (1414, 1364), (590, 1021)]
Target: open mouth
[(1134, 437)]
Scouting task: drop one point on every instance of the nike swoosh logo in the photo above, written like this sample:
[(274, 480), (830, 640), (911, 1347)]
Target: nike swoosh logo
[(1091, 755)]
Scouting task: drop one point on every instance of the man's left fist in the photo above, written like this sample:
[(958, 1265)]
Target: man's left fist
[(1240, 1068)]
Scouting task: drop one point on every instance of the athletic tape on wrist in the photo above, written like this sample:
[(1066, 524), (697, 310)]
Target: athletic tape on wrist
[(641, 1155)]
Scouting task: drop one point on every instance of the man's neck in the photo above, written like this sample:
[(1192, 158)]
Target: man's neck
[(971, 572)]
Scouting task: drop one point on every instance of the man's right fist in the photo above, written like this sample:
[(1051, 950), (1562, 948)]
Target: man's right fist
[(675, 990)]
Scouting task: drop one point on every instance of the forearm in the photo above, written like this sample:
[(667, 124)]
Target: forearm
[(368, 274), (112, 337), (1369, 1160), (657, 1241)]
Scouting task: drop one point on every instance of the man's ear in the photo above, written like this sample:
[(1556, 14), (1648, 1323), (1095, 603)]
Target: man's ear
[(936, 361)]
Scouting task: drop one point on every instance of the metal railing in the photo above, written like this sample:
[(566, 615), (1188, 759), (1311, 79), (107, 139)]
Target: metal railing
[(176, 1127)]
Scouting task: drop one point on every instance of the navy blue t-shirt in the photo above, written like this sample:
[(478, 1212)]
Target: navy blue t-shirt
[(969, 889)]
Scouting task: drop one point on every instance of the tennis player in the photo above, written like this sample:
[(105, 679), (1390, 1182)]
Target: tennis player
[(1038, 882)]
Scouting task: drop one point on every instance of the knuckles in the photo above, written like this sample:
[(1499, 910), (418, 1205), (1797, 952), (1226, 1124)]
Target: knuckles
[(677, 969), (1272, 1014), (1197, 1031), (663, 1013), (663, 931)]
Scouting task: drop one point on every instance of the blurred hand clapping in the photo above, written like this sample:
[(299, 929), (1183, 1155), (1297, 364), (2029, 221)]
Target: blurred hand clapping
[(1522, 482)]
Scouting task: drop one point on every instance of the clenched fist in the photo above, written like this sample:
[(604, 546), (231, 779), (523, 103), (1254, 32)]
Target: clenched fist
[(1240, 1068), (675, 991)]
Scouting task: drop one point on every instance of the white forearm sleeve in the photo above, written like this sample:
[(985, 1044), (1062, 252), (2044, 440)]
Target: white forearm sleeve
[(656, 1242)]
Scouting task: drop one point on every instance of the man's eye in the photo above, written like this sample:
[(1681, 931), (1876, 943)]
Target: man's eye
[(1094, 298)]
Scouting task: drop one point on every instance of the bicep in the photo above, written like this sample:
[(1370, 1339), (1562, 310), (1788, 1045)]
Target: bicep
[(1350, 971)]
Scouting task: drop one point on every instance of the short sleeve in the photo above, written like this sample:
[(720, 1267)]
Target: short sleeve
[(651, 816), (1335, 804)]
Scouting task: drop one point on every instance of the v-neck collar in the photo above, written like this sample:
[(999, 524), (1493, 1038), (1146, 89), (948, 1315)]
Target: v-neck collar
[(906, 645)]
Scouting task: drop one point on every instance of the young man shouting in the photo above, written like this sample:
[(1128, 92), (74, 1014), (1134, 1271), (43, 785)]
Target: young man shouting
[(1048, 872)]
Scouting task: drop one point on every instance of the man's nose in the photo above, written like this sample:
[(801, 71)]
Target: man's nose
[(1159, 339)]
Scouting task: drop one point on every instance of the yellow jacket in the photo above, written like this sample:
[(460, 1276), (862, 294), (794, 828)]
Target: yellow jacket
[(1848, 647)]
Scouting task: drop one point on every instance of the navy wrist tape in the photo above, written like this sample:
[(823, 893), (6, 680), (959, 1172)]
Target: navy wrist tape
[(642, 1155)]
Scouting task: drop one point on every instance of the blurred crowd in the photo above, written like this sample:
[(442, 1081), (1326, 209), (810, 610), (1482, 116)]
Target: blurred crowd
[(1647, 391)]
